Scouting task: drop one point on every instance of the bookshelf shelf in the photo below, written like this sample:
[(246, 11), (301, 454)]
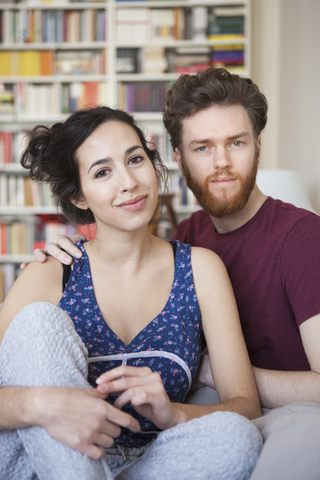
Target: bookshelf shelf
[(169, 38), (54, 46), (16, 259), (181, 3), (18, 211)]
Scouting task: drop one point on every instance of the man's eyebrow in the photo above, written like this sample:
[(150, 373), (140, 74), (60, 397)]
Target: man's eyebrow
[(239, 135), (202, 141), (106, 160)]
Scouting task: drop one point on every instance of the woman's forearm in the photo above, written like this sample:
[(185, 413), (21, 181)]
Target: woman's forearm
[(14, 403), (242, 405)]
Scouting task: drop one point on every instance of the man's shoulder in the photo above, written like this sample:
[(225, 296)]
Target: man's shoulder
[(287, 215), (189, 230)]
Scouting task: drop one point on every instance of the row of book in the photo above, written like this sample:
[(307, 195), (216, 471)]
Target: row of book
[(159, 60), (8, 274), (16, 238), (44, 100), (19, 237), (52, 26), (142, 96), (181, 194), (20, 191), (11, 146), (199, 23), (48, 62)]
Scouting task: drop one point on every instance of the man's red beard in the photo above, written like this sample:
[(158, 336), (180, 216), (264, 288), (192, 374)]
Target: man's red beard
[(221, 205)]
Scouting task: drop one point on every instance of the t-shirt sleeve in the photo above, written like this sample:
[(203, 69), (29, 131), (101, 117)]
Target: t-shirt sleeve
[(300, 268)]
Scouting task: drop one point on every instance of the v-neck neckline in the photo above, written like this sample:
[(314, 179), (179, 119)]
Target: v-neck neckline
[(85, 258)]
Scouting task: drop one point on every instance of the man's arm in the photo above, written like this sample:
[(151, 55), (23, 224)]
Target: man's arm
[(277, 388)]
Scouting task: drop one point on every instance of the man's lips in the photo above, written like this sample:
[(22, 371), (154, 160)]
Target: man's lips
[(223, 179), (134, 203)]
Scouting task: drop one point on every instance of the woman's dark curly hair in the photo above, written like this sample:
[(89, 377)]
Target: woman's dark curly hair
[(51, 155), (214, 86)]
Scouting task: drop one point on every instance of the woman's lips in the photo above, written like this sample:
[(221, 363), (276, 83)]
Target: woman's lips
[(134, 203)]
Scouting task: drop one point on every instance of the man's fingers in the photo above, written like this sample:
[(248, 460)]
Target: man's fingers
[(76, 238)]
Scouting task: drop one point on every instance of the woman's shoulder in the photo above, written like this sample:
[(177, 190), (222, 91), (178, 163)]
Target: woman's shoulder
[(207, 265), (38, 282)]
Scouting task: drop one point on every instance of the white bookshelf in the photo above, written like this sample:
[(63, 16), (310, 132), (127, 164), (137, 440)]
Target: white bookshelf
[(20, 119)]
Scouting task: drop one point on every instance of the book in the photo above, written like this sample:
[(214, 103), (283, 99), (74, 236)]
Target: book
[(189, 59), (79, 62), (154, 60), (162, 24), (46, 62), (142, 96), (128, 60), (133, 25), (199, 22), (6, 147)]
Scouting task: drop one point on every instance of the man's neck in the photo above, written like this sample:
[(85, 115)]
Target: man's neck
[(232, 222)]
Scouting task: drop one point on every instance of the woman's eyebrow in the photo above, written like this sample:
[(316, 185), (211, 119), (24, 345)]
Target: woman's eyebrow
[(103, 161)]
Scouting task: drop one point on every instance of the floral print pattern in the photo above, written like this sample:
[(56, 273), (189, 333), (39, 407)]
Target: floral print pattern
[(176, 332)]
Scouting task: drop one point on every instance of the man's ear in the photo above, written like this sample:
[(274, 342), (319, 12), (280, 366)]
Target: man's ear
[(80, 204), (259, 147), (177, 158)]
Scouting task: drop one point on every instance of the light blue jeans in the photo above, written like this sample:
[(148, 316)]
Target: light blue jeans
[(42, 348)]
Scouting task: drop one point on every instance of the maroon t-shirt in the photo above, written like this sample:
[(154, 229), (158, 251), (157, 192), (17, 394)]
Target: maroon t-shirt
[(274, 265)]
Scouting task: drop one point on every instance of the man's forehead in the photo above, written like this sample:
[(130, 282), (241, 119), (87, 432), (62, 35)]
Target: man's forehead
[(217, 121)]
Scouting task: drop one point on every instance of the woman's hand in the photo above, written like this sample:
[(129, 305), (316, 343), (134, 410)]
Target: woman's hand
[(55, 250), (144, 390), (77, 417)]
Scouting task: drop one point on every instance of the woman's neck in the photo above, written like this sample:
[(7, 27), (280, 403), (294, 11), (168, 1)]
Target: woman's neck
[(119, 249)]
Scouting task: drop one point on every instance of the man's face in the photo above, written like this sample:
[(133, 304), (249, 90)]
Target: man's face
[(219, 158)]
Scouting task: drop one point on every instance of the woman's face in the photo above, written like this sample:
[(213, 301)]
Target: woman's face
[(118, 181)]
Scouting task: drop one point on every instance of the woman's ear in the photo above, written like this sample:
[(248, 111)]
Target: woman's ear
[(79, 204)]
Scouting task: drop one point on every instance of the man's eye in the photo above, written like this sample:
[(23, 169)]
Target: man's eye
[(237, 143), (203, 148), (102, 173)]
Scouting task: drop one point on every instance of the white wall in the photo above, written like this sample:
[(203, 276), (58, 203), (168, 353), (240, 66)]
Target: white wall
[(286, 66)]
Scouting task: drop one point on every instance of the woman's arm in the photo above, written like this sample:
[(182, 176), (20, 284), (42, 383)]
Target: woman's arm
[(229, 359), (77, 417)]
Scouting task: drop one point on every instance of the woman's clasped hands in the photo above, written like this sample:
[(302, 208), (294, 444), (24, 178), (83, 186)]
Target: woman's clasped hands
[(144, 390)]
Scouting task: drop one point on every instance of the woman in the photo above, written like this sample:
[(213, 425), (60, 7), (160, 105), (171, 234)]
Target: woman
[(133, 309)]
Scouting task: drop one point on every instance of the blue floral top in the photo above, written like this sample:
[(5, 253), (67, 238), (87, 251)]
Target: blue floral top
[(170, 344)]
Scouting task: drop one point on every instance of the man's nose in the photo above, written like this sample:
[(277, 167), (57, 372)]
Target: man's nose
[(221, 158)]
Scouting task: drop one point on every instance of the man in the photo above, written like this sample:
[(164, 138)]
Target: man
[(271, 251)]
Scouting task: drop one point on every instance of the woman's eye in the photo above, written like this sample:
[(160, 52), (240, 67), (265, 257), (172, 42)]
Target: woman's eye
[(102, 173), (136, 159)]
